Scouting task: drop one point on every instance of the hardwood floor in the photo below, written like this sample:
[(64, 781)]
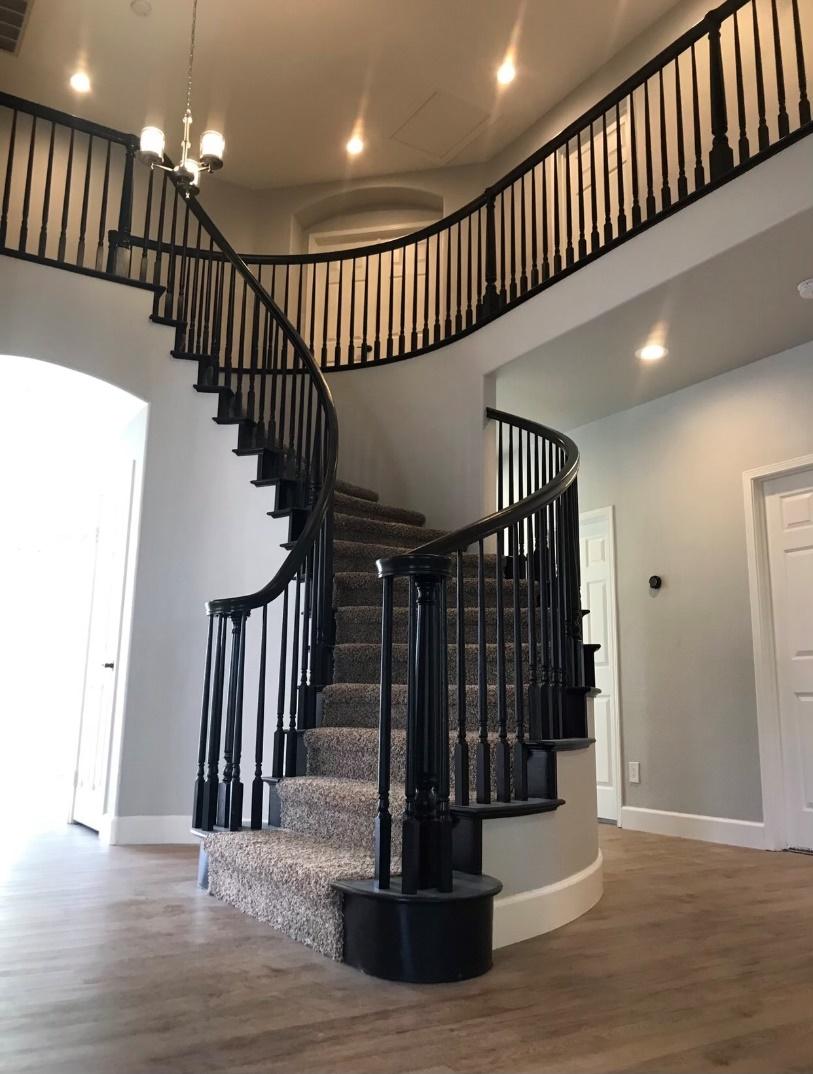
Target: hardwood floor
[(698, 958)]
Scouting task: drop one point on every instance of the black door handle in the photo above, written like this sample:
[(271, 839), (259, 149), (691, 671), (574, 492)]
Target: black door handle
[(111, 666)]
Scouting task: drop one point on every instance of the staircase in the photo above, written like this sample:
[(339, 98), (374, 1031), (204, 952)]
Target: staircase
[(384, 652)]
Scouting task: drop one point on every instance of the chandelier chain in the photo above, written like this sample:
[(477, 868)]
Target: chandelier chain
[(191, 56)]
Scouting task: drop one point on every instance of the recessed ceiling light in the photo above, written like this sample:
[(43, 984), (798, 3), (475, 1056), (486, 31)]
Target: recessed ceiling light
[(805, 289), (355, 145), (506, 72), (80, 82), (652, 352)]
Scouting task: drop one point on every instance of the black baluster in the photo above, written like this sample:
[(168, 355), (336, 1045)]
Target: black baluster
[(391, 305), (46, 197), (582, 248), (594, 236), (699, 170), (534, 249), (142, 272), (469, 308), (512, 291), (414, 335), (159, 249), (293, 743), (682, 182), (763, 135), (804, 103), (236, 795), (458, 320), (743, 147), (278, 761), (377, 343), (257, 782), (402, 325), (83, 216), (437, 288), (619, 172), (198, 797), (120, 253), (605, 153), (636, 203), (169, 305), (337, 350), (650, 192), (410, 844), (523, 244), (425, 337), (461, 753), (568, 207), (383, 819), (782, 119), (365, 348), (520, 765), (721, 156), (447, 323), (557, 253), (483, 772), (27, 191), (491, 301), (211, 789), (666, 192), (503, 251), (7, 180), (103, 213), (351, 341), (545, 252), (502, 753)]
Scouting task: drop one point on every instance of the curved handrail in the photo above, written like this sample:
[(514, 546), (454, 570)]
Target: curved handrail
[(297, 555), (518, 512)]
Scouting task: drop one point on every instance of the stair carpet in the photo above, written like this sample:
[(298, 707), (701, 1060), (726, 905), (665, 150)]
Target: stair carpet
[(284, 876)]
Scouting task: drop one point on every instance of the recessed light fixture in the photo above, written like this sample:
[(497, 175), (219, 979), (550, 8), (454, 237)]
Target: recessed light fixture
[(652, 352), (506, 72), (355, 145), (80, 82), (805, 289)]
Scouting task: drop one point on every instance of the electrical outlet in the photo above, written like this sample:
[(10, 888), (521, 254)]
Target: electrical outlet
[(634, 771)]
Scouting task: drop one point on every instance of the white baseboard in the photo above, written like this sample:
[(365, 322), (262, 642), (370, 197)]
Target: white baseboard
[(736, 833), (124, 831), (532, 913)]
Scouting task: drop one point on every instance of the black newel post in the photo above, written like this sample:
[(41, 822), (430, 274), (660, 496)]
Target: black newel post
[(118, 254), (427, 824), (721, 157), (491, 301)]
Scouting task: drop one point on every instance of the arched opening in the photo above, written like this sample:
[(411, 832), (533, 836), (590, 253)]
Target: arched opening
[(365, 215), (71, 451)]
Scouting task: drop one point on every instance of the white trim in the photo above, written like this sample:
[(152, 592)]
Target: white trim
[(124, 831), (597, 514), (762, 629), (532, 913), (735, 833)]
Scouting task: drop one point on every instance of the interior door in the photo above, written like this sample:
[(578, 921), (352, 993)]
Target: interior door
[(101, 671), (789, 513), (598, 595)]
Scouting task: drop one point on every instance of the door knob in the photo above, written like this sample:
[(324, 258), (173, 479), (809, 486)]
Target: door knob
[(111, 666)]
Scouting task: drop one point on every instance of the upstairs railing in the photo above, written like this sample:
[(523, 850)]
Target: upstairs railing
[(80, 178), (728, 93), (520, 671), (724, 96)]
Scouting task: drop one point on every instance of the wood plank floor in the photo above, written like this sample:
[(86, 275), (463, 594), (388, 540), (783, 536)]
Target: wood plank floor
[(698, 958)]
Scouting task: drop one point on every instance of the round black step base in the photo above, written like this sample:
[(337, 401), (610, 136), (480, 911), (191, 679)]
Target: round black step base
[(426, 938)]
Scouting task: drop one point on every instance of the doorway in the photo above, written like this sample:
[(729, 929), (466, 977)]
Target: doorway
[(62, 447), (597, 549), (779, 517)]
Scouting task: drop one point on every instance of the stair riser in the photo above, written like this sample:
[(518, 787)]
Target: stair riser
[(360, 707), (362, 664), (351, 828), (364, 625), (350, 505), (374, 530)]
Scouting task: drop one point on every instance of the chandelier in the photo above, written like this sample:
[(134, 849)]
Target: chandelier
[(212, 142)]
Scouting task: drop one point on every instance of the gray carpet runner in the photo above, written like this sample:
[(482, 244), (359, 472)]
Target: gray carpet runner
[(283, 875)]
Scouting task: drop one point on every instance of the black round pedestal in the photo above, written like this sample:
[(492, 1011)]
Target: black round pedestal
[(425, 938)]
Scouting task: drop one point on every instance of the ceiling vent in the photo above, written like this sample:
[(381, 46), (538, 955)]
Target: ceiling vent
[(13, 17)]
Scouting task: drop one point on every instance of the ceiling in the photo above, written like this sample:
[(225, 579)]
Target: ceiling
[(729, 311), (287, 80)]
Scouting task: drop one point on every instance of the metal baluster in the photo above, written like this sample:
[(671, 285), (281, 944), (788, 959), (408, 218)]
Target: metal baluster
[(666, 192), (651, 207), (568, 207), (292, 750), (236, 789), (402, 326), (447, 323), (337, 350), (636, 203), (425, 334), (383, 819), (763, 135), (198, 796), (458, 321), (699, 170), (278, 761), (437, 288), (169, 305), (512, 291), (605, 153), (743, 146), (502, 754), (391, 304), (534, 249), (582, 247), (414, 335), (483, 772), (503, 292), (142, 271), (211, 789), (520, 765), (557, 253), (27, 192), (682, 183), (804, 103), (783, 119), (619, 172), (594, 236), (46, 198), (7, 181), (351, 342), (461, 753), (365, 348), (377, 343)]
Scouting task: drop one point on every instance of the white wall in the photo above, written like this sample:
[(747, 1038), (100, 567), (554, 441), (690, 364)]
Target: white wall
[(673, 470), (203, 531)]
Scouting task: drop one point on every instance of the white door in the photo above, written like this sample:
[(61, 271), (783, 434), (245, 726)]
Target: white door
[(789, 513), (101, 671), (598, 595)]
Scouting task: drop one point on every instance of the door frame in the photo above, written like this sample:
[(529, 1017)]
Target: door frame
[(769, 728), (608, 514)]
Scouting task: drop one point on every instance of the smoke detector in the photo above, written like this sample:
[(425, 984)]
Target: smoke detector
[(805, 289)]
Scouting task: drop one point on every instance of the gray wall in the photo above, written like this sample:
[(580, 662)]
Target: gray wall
[(673, 469)]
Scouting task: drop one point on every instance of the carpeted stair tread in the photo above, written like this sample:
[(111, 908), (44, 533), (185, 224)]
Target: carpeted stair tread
[(357, 505), (378, 530), (361, 662), (284, 878), (363, 624), (361, 493), (348, 704), (362, 588)]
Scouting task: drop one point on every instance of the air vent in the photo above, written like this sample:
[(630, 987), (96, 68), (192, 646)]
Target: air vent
[(13, 17)]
